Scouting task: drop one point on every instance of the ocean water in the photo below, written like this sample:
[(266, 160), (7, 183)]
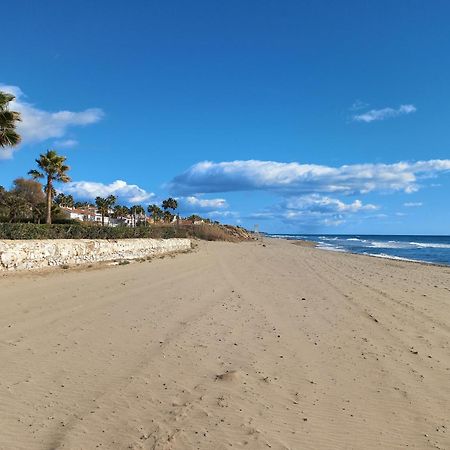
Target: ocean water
[(429, 249)]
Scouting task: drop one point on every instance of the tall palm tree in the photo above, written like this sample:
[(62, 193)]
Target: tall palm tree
[(155, 212), (52, 166), (104, 205), (8, 121)]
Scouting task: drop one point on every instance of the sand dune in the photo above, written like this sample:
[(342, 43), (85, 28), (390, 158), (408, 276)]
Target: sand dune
[(235, 345)]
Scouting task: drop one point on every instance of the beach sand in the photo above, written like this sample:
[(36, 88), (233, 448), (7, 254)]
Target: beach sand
[(253, 345)]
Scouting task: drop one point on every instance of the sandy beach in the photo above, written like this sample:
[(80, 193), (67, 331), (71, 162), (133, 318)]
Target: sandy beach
[(251, 345)]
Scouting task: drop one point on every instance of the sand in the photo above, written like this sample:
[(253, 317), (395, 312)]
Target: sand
[(244, 345)]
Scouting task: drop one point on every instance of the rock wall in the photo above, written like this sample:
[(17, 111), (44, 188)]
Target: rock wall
[(38, 254)]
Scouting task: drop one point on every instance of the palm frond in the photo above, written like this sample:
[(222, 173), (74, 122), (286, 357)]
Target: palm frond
[(9, 137), (36, 174)]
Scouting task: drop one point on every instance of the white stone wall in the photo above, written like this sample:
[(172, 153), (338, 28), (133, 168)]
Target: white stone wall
[(38, 254)]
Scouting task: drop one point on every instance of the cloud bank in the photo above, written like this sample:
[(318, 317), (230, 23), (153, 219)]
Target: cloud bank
[(294, 178), (325, 205), (310, 195), (384, 113), (39, 125), (88, 190), (314, 210)]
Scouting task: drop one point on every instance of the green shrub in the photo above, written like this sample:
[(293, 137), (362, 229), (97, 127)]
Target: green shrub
[(79, 230)]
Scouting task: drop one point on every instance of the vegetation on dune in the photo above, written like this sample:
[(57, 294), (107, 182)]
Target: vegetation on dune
[(78, 230)]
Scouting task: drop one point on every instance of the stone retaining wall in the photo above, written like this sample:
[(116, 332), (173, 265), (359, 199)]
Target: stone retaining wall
[(38, 254)]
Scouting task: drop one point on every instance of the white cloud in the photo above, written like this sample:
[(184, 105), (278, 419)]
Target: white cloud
[(325, 205), (39, 125), (384, 113), (314, 210), (66, 143), (129, 193), (202, 206), (412, 204), (300, 179), (204, 203)]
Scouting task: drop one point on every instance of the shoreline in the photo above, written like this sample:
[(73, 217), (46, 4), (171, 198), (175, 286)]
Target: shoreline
[(316, 245)]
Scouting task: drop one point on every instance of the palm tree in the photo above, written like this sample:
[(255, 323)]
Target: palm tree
[(168, 216), (170, 203), (8, 122), (194, 218), (64, 200), (155, 212), (52, 166), (136, 210), (104, 205), (120, 212), (82, 205)]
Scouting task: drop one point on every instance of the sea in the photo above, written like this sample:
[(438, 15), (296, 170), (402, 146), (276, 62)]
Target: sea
[(427, 249)]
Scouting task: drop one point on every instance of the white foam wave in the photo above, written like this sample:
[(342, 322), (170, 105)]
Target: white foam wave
[(389, 244), (429, 245), (330, 248), (398, 258)]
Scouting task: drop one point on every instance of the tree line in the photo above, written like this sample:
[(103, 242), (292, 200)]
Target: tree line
[(29, 200)]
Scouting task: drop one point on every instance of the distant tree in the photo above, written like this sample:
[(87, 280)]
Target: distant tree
[(8, 122), (64, 200), (13, 207), (170, 203), (104, 205), (120, 212), (135, 211), (52, 167), (155, 212), (168, 216), (32, 193), (30, 189), (194, 218), (82, 205)]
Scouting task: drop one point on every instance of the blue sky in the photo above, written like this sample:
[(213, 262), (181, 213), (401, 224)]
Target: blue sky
[(300, 116)]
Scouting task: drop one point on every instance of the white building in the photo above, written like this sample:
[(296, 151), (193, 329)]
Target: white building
[(91, 214)]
